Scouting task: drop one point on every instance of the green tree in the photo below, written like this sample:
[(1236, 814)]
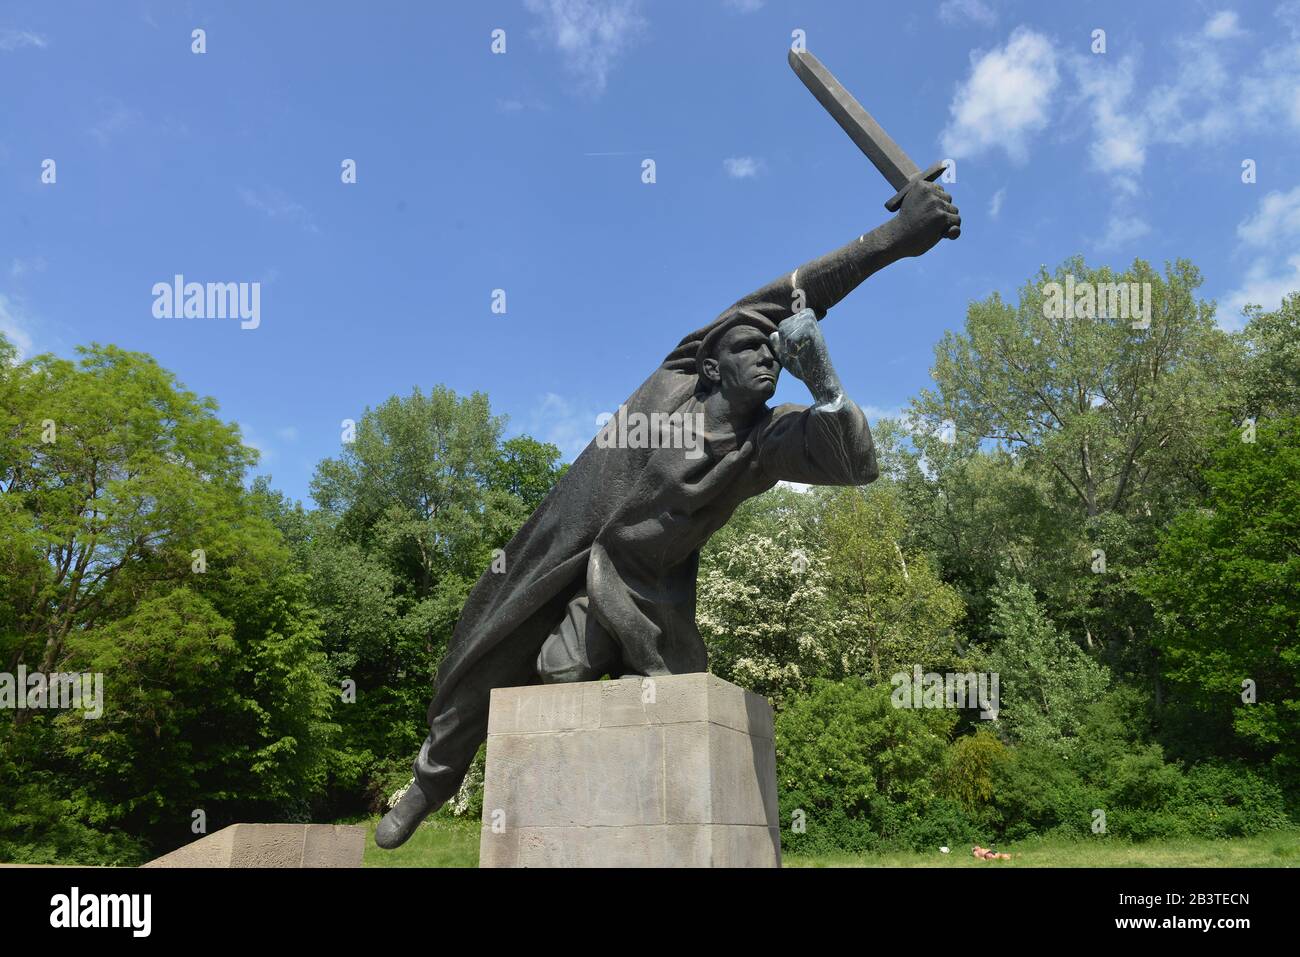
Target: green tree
[(763, 602), (819, 584), (1226, 584), (1271, 373), (984, 514), (893, 611), (971, 769), (527, 469), (1113, 414), (409, 514), (130, 548), (1093, 430), (1046, 683), (114, 477)]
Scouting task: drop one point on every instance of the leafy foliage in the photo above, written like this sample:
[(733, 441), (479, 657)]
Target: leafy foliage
[(1046, 682), (817, 585), (130, 548), (1226, 582), (860, 772)]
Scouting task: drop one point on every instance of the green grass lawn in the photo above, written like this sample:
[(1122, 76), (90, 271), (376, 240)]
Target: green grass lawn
[(447, 842), (438, 842), (1274, 849)]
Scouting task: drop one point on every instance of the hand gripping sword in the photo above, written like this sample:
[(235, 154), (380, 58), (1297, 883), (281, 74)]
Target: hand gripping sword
[(887, 156)]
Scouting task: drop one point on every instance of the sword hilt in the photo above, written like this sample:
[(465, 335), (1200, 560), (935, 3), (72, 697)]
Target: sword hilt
[(929, 176)]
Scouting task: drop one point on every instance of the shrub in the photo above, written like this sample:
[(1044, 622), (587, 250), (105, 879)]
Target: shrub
[(38, 826), (1042, 791), (972, 764), (858, 772), (1233, 800)]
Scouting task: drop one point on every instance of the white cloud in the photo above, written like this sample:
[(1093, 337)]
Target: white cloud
[(591, 35), (1289, 14), (249, 438), (11, 40), (1221, 90), (13, 324), (267, 451), (1195, 105), (742, 167), (995, 204), (875, 413), (1264, 285), (21, 267), (1223, 25), (1271, 274), (1278, 217), (959, 11), (1122, 229), (745, 6), (1118, 136), (1119, 131), (1006, 98), (1215, 90), (274, 204), (1270, 90), (116, 117)]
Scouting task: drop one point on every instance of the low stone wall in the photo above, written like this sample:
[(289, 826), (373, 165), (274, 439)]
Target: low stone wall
[(272, 845)]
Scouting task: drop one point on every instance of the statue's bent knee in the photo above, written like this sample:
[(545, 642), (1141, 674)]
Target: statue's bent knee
[(579, 649)]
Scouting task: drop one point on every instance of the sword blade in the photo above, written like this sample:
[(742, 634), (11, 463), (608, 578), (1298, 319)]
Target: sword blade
[(887, 156)]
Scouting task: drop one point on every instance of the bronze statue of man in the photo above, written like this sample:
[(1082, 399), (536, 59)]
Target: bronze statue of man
[(601, 579)]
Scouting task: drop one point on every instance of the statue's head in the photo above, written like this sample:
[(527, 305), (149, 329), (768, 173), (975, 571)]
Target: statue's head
[(737, 359)]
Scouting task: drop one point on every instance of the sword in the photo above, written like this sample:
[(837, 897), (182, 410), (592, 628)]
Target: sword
[(879, 147)]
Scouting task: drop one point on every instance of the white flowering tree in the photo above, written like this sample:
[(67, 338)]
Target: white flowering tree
[(764, 610), (817, 585)]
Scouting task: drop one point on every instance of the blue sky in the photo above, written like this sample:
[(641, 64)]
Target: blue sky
[(521, 171)]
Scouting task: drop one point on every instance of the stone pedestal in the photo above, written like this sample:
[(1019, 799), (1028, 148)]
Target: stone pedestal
[(272, 845), (677, 771)]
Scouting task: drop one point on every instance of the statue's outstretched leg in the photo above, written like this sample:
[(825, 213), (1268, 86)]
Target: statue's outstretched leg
[(454, 738), (577, 649), (458, 723)]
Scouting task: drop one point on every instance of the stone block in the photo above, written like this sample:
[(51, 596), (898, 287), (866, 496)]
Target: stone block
[(272, 845), (676, 771)]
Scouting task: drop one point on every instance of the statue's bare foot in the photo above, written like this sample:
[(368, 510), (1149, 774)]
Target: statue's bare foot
[(400, 823)]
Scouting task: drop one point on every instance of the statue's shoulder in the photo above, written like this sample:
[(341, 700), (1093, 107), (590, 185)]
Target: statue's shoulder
[(786, 409), (777, 421)]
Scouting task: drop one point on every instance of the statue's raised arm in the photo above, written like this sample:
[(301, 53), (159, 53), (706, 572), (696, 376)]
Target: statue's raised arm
[(924, 218)]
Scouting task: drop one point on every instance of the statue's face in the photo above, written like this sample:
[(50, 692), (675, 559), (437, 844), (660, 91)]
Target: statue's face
[(744, 366)]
